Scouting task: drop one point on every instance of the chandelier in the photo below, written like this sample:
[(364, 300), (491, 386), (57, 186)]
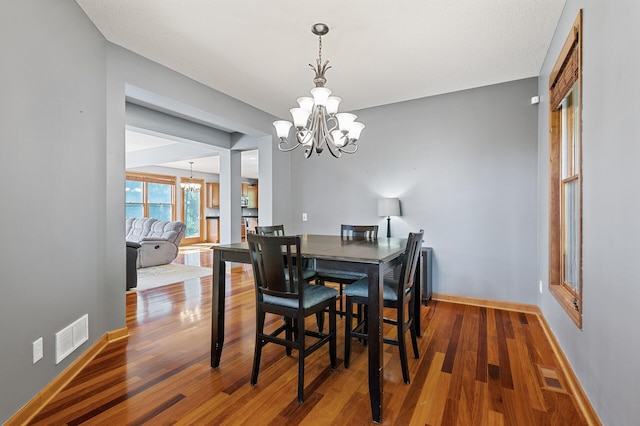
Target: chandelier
[(317, 121), (190, 185)]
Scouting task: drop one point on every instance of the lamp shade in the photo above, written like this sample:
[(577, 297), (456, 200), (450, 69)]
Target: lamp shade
[(388, 207)]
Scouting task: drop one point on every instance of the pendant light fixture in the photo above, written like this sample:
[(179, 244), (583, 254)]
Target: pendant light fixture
[(190, 185), (317, 121)]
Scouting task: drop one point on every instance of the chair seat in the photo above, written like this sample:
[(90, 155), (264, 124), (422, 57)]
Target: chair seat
[(307, 274), (313, 294), (361, 289), (341, 276)]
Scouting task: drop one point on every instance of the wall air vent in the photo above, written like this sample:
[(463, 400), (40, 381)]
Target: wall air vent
[(71, 337)]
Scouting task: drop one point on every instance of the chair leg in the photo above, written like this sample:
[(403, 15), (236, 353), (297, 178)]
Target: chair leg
[(341, 306), (414, 339), (403, 348), (334, 336), (365, 319), (258, 349), (301, 357), (289, 334), (347, 333), (320, 315), (320, 321)]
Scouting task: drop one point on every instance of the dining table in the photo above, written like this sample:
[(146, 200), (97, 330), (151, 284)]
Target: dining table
[(375, 258)]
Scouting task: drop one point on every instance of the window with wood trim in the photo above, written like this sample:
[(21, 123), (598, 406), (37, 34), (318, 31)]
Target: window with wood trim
[(565, 172), (193, 213), (150, 195)]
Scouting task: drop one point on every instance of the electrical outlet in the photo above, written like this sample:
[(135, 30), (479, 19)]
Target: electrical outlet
[(540, 284), (304, 217), (37, 350)]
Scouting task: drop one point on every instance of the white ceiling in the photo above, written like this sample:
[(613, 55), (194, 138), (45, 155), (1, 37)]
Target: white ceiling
[(381, 51), (159, 151)]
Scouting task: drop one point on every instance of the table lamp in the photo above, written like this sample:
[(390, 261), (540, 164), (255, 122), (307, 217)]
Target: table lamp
[(388, 207)]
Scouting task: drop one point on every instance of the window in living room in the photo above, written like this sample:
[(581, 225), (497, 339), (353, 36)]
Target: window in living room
[(150, 195), (193, 214), (565, 170)]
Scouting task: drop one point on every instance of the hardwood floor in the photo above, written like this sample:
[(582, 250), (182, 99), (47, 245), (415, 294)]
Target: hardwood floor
[(478, 366)]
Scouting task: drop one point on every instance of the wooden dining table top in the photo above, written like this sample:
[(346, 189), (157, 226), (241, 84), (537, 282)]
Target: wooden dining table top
[(335, 247)]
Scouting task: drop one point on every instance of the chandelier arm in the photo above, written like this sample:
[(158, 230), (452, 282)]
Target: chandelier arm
[(324, 137), (334, 149), (283, 146), (355, 148)]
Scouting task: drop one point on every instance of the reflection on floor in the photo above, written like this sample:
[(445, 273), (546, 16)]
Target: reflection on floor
[(190, 255)]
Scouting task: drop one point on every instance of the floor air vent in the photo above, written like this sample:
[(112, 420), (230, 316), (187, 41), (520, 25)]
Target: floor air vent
[(550, 378)]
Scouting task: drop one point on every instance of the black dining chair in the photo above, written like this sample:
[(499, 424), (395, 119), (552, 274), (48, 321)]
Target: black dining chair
[(398, 294), (287, 294), (278, 230), (307, 273), (355, 233)]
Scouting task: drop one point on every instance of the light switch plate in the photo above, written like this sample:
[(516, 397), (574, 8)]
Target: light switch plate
[(38, 351)]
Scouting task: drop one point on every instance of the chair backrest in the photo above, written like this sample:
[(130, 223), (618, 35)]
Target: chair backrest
[(275, 230), (271, 256), (409, 263), (359, 232)]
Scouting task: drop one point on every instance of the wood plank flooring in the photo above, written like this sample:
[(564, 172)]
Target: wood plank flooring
[(478, 366)]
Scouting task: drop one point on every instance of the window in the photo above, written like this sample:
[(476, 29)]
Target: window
[(193, 214), (565, 171), (148, 195)]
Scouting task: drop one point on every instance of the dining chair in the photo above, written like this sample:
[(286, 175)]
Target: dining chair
[(398, 294), (349, 232), (290, 296), (307, 273), (278, 230), (273, 230)]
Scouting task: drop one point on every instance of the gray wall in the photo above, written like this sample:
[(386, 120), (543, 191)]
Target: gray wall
[(464, 167), (605, 353), (53, 265), (63, 109)]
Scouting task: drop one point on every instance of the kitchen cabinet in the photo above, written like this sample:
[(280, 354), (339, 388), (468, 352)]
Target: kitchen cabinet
[(212, 196), (213, 230), (250, 195)]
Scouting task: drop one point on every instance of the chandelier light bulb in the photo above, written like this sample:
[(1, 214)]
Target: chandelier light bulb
[(320, 95), (355, 130), (345, 120), (282, 128), (300, 117), (318, 125), (306, 102), (332, 105)]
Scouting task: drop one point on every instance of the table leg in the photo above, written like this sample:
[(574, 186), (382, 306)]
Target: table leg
[(217, 308), (417, 297), (375, 342)]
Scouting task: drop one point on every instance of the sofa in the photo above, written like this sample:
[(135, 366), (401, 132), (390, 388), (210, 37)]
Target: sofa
[(132, 259), (159, 240)]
